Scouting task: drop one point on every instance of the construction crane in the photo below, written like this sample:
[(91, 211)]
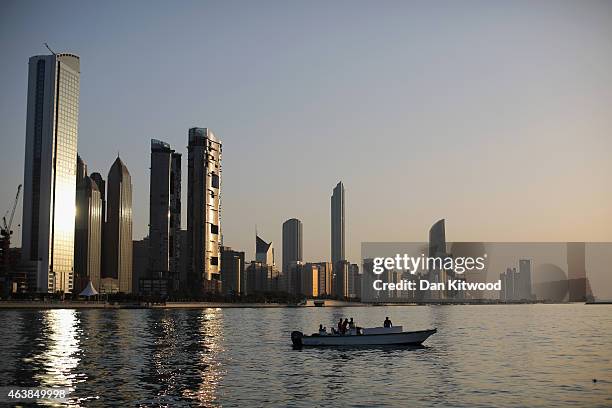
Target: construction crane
[(6, 227)]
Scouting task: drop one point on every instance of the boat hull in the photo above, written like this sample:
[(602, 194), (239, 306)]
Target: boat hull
[(404, 338)]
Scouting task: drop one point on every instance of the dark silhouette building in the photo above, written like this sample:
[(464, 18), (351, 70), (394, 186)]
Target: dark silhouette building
[(118, 231)]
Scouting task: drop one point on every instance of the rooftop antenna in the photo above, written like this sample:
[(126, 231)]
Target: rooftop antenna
[(49, 48)]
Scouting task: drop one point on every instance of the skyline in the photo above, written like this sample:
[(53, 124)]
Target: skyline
[(428, 140)]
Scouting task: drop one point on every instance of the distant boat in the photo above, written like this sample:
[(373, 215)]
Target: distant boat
[(319, 303), (379, 336)]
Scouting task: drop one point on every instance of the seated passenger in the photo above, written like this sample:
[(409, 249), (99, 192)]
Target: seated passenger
[(388, 322), (344, 326), (322, 330)]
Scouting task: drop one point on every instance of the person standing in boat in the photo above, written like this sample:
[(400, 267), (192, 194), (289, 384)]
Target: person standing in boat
[(387, 322), (340, 326)]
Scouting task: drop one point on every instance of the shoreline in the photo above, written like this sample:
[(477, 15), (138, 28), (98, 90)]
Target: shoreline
[(47, 305)]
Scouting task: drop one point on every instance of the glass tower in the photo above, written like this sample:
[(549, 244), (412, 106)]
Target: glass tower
[(337, 224), (50, 170)]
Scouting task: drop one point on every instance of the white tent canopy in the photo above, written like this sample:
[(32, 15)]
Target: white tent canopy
[(89, 290)]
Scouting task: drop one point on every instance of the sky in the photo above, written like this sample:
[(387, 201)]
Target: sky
[(496, 116)]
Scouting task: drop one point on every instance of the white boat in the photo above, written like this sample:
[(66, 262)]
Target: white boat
[(378, 336)]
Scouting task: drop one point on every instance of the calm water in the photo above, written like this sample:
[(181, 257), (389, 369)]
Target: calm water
[(517, 355)]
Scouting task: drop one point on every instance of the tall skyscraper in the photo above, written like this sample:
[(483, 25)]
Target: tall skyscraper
[(292, 242), (118, 231), (203, 210), (50, 169), (337, 224), (87, 232), (164, 213)]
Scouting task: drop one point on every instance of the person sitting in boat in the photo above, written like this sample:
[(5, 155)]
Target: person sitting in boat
[(344, 326), (387, 322), (322, 330), (351, 324)]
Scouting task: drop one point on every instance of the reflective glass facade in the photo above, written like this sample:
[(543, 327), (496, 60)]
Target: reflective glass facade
[(50, 169)]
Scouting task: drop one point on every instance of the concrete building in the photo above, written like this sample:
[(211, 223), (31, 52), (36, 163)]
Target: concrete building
[(233, 278), (337, 224), (49, 172), (87, 234), (165, 213), (292, 242), (264, 251), (118, 231), (203, 210)]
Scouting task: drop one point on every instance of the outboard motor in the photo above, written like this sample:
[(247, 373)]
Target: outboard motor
[(296, 338)]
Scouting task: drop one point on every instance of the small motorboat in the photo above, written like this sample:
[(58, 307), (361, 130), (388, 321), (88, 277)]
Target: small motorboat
[(374, 336)]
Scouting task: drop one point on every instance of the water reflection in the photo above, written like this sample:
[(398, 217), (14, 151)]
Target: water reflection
[(184, 357), (533, 355), (61, 352)]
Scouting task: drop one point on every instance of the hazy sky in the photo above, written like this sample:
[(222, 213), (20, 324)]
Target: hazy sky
[(494, 115)]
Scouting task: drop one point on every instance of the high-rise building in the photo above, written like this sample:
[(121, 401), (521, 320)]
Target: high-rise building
[(97, 178), (81, 170), (292, 242), (325, 278), (524, 280), (232, 271), (354, 283), (87, 234), (264, 251), (437, 249), (140, 264), (337, 224), (310, 280), (260, 278), (340, 279), (576, 271), (49, 171), (118, 231), (164, 213), (203, 210), (293, 278)]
